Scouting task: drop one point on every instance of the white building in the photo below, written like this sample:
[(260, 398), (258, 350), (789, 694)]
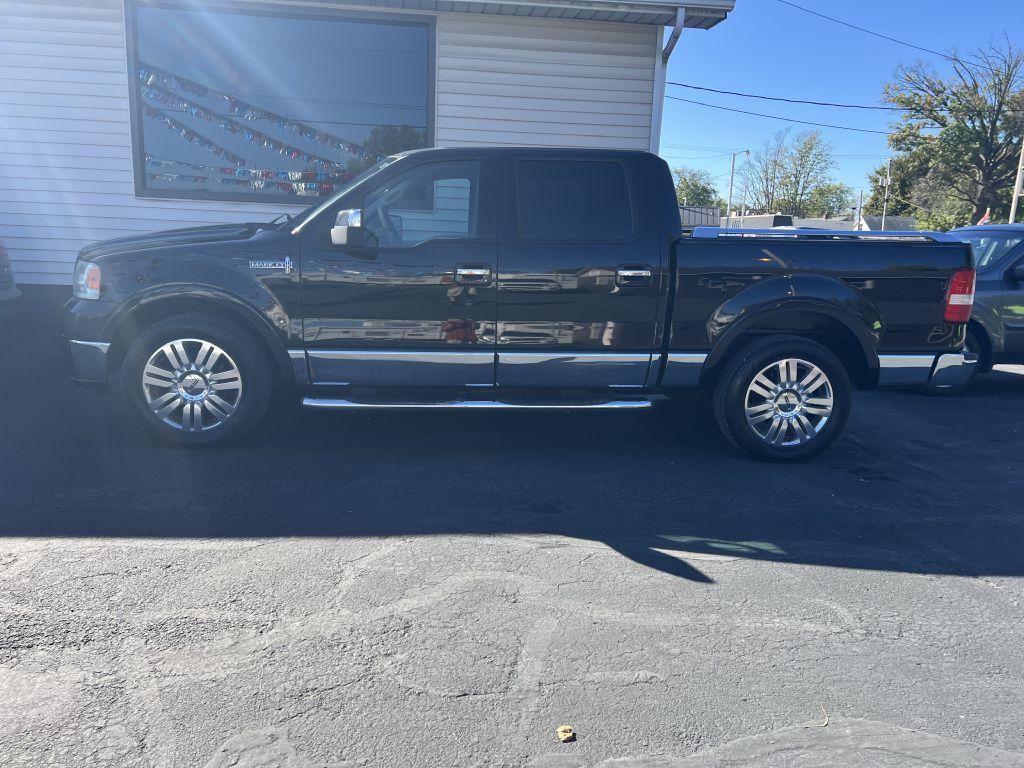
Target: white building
[(126, 116)]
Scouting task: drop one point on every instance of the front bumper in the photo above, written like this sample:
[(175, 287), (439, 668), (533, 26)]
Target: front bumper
[(87, 360), (948, 370)]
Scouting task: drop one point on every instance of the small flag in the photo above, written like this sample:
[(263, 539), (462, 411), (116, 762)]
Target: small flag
[(986, 218)]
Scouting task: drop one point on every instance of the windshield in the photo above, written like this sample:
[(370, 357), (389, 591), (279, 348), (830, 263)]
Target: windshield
[(990, 248), (312, 212)]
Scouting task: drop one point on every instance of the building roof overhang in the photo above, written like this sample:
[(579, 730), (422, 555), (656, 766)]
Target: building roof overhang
[(699, 15)]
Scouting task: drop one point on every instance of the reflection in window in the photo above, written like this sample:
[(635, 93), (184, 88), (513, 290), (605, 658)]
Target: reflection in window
[(428, 202), (260, 106)]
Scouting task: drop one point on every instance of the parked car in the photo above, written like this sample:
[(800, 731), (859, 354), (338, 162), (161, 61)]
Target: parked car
[(516, 279), (9, 292), (996, 331)]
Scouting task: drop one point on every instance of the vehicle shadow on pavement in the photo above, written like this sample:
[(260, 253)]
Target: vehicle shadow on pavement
[(917, 484)]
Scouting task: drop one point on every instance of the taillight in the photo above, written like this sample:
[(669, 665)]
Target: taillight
[(960, 298)]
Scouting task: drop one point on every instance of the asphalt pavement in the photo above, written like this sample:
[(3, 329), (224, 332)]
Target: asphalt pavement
[(436, 589)]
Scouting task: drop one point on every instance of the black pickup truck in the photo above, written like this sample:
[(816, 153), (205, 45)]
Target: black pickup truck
[(516, 278)]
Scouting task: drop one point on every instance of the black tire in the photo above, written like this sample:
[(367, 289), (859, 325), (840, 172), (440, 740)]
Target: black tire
[(806, 429), (239, 407), (973, 345)]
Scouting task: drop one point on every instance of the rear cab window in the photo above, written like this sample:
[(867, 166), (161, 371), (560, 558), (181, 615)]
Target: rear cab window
[(573, 201)]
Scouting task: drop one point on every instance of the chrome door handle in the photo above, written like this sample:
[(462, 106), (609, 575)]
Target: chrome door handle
[(632, 275), (472, 274)]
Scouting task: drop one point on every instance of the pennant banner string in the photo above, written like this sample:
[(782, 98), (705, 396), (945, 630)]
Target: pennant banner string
[(191, 136), (152, 76), (167, 98), (254, 173), (252, 184)]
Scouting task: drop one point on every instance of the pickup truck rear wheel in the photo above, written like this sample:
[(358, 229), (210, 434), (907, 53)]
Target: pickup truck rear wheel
[(782, 399), (195, 380)]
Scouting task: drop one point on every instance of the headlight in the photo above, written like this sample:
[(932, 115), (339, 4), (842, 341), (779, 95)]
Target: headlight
[(87, 280)]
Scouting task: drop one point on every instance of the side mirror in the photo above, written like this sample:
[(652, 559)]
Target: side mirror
[(1018, 273), (351, 218)]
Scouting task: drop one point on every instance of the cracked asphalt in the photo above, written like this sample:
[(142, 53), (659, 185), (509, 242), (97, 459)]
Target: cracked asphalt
[(446, 589)]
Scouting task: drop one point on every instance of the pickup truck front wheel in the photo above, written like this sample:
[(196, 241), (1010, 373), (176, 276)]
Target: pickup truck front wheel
[(782, 399), (195, 380)]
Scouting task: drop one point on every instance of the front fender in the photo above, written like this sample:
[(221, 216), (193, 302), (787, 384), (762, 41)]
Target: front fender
[(268, 314), (266, 318), (818, 294)]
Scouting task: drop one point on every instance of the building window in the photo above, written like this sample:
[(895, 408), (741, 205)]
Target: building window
[(286, 107), (573, 200)]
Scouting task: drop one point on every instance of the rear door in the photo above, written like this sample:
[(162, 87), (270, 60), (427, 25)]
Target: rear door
[(579, 272)]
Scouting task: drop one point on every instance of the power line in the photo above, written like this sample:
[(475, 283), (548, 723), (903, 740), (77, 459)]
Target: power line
[(1008, 111), (778, 117), (869, 31), (947, 56), (699, 146), (781, 98)]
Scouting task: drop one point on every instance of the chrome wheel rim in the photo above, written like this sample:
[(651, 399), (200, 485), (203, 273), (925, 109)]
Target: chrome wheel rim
[(789, 402), (192, 385)]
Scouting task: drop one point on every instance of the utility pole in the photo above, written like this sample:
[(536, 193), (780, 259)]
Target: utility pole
[(1017, 185), (885, 200), (732, 175), (860, 209)]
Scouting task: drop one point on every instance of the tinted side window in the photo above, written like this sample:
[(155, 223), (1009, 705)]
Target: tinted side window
[(573, 200)]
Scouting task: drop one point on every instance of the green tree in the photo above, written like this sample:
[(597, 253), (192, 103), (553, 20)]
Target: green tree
[(829, 199), (696, 187), (762, 172), (967, 125), (936, 208), (907, 170), (807, 167), (793, 174), (387, 140)]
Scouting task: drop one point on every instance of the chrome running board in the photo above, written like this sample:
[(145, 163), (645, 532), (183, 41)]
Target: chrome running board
[(331, 403)]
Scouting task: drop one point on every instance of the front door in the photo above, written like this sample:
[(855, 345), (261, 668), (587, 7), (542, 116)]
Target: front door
[(411, 300), (580, 271)]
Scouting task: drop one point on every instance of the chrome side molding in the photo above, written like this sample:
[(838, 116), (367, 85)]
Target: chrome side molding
[(99, 346), (941, 371), (370, 367), (567, 369), (904, 370), (330, 403)]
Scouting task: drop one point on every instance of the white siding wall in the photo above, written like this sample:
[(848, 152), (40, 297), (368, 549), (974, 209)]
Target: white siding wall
[(544, 82), (66, 175)]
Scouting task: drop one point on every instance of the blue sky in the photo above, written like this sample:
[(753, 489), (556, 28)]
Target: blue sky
[(767, 47)]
